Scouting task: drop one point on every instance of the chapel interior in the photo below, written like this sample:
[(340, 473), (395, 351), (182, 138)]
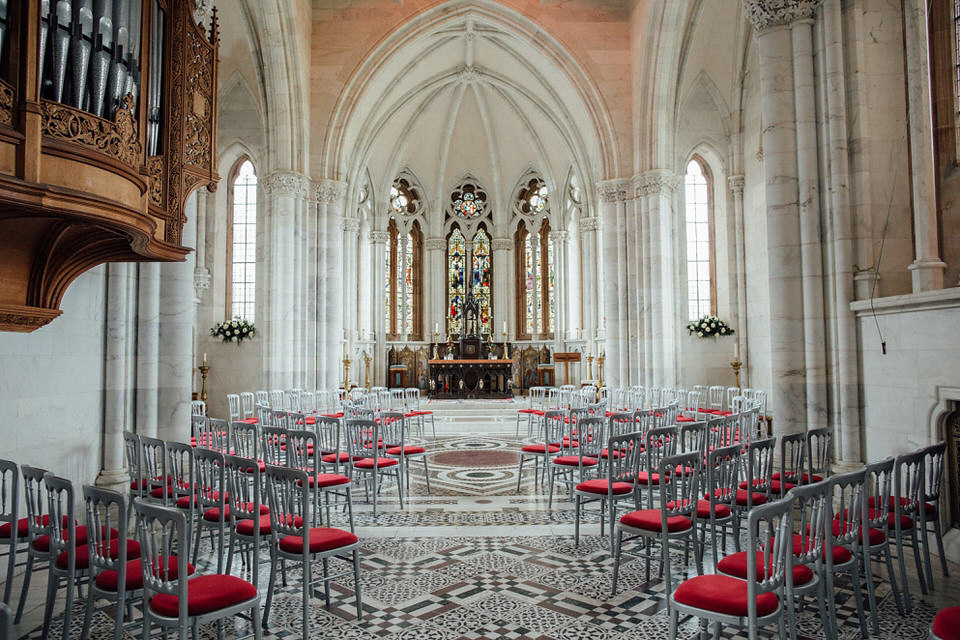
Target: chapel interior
[(495, 233)]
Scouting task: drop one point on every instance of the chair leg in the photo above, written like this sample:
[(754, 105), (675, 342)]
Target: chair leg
[(426, 475), (858, 597), (88, 613), (273, 581), (674, 615), (938, 532), (26, 588), (12, 561), (306, 594), (616, 561), (924, 537), (915, 542), (907, 598), (52, 583), (871, 592), (255, 619), (520, 473), (576, 523), (356, 582), (893, 579)]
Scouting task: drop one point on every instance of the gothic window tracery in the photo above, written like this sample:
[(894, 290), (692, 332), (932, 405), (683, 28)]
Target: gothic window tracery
[(482, 279), (536, 282), (403, 282), (242, 277), (456, 273)]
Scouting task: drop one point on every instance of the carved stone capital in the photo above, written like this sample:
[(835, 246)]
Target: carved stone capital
[(201, 282), (330, 191), (559, 236), (380, 237), (351, 225), (287, 183), (589, 224), (735, 184), (435, 244), (617, 190), (501, 244), (656, 182), (764, 14)]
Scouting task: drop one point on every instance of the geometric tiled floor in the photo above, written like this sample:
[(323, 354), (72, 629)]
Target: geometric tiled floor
[(478, 559)]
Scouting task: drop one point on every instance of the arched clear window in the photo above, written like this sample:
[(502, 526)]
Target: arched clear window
[(701, 296), (456, 274), (402, 284), (243, 241), (536, 282)]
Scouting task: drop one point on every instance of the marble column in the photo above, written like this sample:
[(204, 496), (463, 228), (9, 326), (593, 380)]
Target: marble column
[(572, 282), (808, 186), (613, 195), (787, 365), (284, 195), (148, 348), (927, 269), (330, 195), (365, 282), (118, 378), (632, 294), (503, 277), (379, 239), (735, 184), (589, 278), (351, 286), (559, 240), (176, 359)]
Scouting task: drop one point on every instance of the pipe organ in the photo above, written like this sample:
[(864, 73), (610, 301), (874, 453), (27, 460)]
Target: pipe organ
[(107, 125)]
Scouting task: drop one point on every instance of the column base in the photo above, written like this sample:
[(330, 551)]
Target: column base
[(116, 479), (927, 275)]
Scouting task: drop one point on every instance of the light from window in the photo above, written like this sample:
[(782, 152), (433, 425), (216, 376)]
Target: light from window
[(406, 287), (698, 241), (244, 264), (531, 261), (956, 72), (456, 287), (551, 301), (481, 279)]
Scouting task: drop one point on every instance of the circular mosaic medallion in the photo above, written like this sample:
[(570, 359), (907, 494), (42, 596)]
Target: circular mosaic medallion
[(475, 458)]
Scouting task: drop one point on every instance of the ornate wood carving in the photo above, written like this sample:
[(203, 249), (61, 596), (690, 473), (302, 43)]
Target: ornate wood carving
[(6, 103), (118, 139)]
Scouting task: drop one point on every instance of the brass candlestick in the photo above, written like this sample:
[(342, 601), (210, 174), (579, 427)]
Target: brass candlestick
[(366, 377), (600, 370), (736, 364), (589, 367), (204, 370), (346, 373)]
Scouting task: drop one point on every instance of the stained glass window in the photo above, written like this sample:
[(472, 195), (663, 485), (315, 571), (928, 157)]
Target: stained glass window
[(468, 201), (389, 271), (407, 288), (456, 287), (243, 267), (551, 300), (531, 271), (482, 279), (699, 272)]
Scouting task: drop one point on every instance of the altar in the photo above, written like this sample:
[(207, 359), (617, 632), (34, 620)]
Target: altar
[(471, 378)]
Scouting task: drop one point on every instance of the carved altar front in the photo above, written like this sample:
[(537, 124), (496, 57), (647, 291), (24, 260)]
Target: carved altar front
[(471, 378)]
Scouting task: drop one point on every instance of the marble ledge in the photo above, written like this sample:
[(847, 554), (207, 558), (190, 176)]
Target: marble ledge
[(908, 303)]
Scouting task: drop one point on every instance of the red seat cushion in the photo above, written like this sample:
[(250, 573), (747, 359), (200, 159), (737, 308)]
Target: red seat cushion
[(758, 498), (538, 448), (245, 527), (906, 522), (841, 555), (574, 461), (649, 520), (109, 580), (82, 556), (139, 484), (735, 564), (319, 539), (331, 458), (648, 478), (328, 480), (368, 463), (722, 594), (929, 508), (23, 528), (876, 536), (781, 487), (720, 510), (204, 595), (42, 543), (407, 451), (213, 515), (946, 624), (600, 486)]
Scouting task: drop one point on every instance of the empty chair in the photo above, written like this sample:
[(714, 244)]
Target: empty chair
[(715, 398), (583, 441), (233, 407), (623, 453), (301, 454), (846, 517), (755, 489), (793, 451), (364, 444), (722, 472), (247, 403), (876, 545), (659, 443), (38, 530), (933, 476), (908, 480), (548, 445), (13, 530), (211, 492), (276, 400), (262, 397), (819, 449), (249, 518)]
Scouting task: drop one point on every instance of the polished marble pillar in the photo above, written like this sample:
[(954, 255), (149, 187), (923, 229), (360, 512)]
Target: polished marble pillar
[(330, 195), (503, 279), (613, 196), (379, 239)]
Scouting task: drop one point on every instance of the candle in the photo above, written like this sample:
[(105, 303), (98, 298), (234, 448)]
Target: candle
[(736, 351), (204, 357), (436, 327), (504, 328)]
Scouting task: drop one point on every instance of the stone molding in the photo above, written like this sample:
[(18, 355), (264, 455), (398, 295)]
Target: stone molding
[(329, 191), (501, 244), (589, 224), (764, 14), (656, 182), (735, 184), (435, 244), (559, 236), (617, 190), (380, 237), (351, 225), (287, 183), (469, 74)]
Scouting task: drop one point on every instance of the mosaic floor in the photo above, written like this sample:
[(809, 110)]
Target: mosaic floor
[(477, 559)]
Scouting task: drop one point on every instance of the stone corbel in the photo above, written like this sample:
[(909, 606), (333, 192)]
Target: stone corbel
[(765, 14), (330, 191), (380, 237), (617, 190), (201, 282), (287, 183)]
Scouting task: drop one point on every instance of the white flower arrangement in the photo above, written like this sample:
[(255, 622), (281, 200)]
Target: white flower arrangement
[(236, 330), (709, 327)]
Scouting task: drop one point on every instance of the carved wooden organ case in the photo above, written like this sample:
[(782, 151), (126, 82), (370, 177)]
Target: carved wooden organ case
[(107, 125)]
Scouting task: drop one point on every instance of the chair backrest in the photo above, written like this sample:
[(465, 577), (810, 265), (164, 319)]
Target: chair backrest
[(292, 399), (271, 445), (328, 435), (722, 475), (245, 440), (181, 461), (301, 445), (210, 483), (262, 396), (553, 398), (287, 497), (818, 452), (242, 477), (731, 393), (793, 451), (591, 436), (694, 403), (360, 432), (693, 437), (308, 402), (263, 413), (153, 464), (198, 408), (933, 473), (197, 424), (233, 406), (162, 532), (392, 428), (553, 426), (749, 424), (769, 545), (760, 399), (715, 397), (680, 488), (811, 519), (908, 480), (846, 511), (62, 527), (620, 423), (247, 402), (9, 496), (218, 435), (411, 398), (131, 451), (276, 399), (718, 432), (624, 454), (34, 494), (106, 510), (279, 418), (759, 467), (659, 443), (384, 399), (396, 399), (877, 487)]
